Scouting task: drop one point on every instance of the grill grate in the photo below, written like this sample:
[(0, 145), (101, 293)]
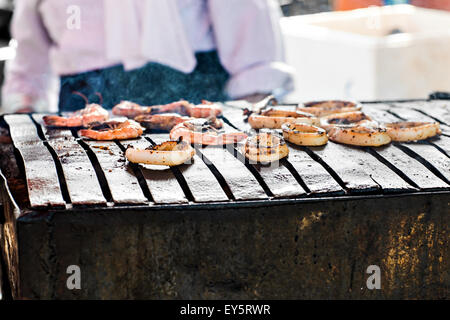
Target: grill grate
[(63, 170)]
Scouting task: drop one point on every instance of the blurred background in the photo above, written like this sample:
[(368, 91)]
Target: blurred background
[(349, 49)]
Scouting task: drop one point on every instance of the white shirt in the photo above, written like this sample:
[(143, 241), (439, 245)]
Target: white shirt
[(73, 36)]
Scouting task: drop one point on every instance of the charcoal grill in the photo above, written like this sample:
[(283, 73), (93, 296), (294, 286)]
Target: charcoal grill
[(222, 227)]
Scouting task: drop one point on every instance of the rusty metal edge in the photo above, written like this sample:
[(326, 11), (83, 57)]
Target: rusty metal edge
[(30, 215), (9, 262)]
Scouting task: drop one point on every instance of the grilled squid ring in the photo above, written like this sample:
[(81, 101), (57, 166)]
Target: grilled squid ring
[(325, 108), (412, 131), (265, 147), (345, 119), (359, 135), (169, 153), (304, 134), (274, 118)]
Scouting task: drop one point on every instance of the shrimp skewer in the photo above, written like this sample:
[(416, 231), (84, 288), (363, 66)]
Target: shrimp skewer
[(113, 130), (205, 132), (169, 153)]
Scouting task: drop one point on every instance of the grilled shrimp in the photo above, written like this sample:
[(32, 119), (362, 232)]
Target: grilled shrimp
[(180, 107), (205, 110), (164, 121), (205, 132), (113, 130), (183, 108), (81, 118), (129, 109)]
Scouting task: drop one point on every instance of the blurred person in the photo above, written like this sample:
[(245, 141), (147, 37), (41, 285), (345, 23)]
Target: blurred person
[(146, 51)]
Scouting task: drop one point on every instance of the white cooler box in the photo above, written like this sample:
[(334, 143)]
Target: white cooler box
[(378, 53)]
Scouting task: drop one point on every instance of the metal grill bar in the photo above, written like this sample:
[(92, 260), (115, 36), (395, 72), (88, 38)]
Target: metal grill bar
[(200, 181), (80, 178), (40, 169), (163, 184)]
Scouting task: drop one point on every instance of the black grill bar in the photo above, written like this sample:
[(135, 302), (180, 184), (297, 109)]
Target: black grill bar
[(436, 146), (326, 167), (295, 174), (427, 164), (59, 169), (139, 175), (251, 168), (392, 167), (432, 117), (178, 176), (98, 170), (216, 173)]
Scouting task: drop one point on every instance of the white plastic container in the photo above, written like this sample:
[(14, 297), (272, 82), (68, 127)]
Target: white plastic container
[(377, 53)]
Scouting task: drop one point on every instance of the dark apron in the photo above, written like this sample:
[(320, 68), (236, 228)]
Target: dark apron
[(152, 84)]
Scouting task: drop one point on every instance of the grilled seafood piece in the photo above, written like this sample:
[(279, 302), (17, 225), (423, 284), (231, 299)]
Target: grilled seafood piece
[(325, 108), (163, 121), (205, 132), (81, 118), (113, 130), (129, 109), (264, 114), (273, 118), (205, 110), (265, 147), (304, 134), (261, 105), (346, 119), (412, 131), (180, 107), (359, 135), (169, 153)]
